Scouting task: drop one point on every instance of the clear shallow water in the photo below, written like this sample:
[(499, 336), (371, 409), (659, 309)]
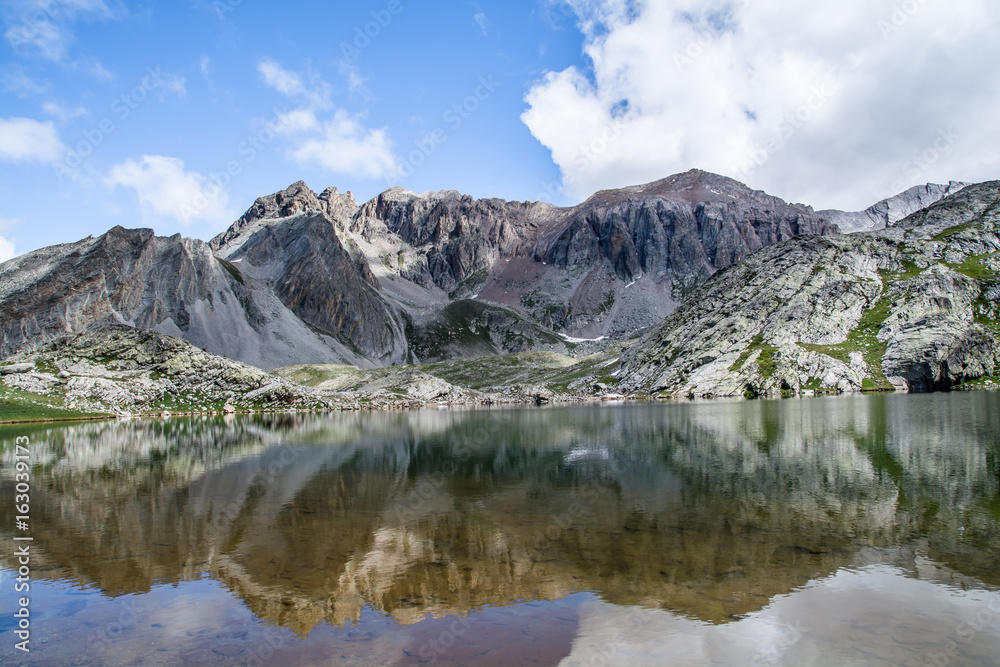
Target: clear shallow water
[(828, 531)]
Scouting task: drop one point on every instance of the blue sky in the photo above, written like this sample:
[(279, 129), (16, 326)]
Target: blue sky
[(177, 115)]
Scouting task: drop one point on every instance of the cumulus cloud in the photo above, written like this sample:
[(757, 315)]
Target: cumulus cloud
[(831, 103), (324, 136), (27, 140), (166, 191), (344, 146)]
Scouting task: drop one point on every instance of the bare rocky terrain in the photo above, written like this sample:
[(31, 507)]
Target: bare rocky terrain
[(307, 278), (911, 307), (440, 298)]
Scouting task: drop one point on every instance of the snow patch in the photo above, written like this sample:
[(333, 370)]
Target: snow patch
[(570, 339)]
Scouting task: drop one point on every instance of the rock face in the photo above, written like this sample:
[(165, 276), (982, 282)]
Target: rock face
[(913, 306), (306, 278), (121, 369), (171, 285), (890, 211)]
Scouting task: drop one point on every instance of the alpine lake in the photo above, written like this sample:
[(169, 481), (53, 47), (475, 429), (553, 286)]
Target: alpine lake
[(847, 530)]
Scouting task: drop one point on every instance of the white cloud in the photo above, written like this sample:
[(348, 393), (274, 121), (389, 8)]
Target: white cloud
[(346, 147), (6, 249), (43, 36), (99, 71), (27, 140), (282, 80), (297, 120), (481, 20), (166, 190), (17, 82), (45, 28), (357, 84), (316, 93), (825, 102), (173, 84), (206, 66), (334, 139), (61, 112)]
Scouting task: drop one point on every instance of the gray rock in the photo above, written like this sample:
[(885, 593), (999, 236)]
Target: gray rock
[(841, 313), (890, 211), (12, 369), (307, 278)]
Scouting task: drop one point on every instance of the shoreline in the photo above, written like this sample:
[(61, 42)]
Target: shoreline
[(526, 401)]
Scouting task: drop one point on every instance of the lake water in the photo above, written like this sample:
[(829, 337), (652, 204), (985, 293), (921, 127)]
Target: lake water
[(819, 531)]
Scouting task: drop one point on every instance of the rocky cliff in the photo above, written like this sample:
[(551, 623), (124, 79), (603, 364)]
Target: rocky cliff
[(315, 278), (914, 306), (890, 211)]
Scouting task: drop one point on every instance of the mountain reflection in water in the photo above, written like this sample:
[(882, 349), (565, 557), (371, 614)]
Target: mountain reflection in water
[(710, 510)]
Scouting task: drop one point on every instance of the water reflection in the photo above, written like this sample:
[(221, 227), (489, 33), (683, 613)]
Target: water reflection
[(711, 510)]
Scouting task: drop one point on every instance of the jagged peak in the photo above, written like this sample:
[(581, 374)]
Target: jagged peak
[(296, 199)]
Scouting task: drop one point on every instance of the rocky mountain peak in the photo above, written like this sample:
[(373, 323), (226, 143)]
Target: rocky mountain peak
[(337, 206), (692, 188), (296, 198)]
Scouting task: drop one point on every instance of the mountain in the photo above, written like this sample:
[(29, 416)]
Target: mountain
[(317, 278), (307, 278), (913, 306), (890, 211)]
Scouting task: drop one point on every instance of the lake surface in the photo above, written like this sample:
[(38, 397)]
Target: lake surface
[(819, 531)]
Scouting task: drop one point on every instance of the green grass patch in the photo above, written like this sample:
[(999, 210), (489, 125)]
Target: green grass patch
[(863, 338), (975, 268), (951, 231), (313, 375), (502, 370), (21, 406), (766, 363)]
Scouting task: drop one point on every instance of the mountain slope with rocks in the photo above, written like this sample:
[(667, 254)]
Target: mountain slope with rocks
[(914, 306), (306, 278), (890, 211)]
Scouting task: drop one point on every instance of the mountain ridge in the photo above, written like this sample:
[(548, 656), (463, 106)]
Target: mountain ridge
[(303, 277)]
